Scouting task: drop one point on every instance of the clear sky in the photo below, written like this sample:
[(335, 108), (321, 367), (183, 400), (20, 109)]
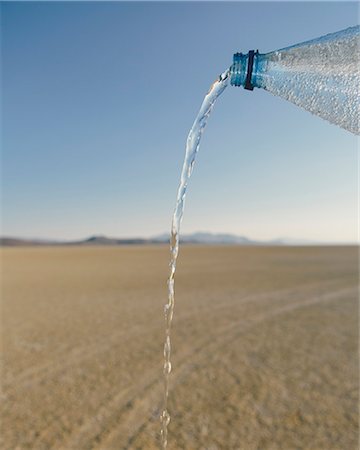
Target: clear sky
[(98, 99)]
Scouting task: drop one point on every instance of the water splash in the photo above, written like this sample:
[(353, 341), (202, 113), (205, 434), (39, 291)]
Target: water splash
[(192, 148)]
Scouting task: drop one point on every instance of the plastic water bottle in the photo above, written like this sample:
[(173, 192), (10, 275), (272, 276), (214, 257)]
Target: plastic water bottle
[(321, 75)]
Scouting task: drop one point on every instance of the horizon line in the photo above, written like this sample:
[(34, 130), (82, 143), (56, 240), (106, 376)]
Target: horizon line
[(162, 238)]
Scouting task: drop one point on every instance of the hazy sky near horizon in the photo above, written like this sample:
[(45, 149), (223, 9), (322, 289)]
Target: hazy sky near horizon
[(98, 99)]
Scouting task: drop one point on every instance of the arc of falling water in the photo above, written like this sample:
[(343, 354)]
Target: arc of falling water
[(192, 148)]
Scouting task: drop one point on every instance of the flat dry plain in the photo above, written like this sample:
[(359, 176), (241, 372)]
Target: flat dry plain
[(264, 348)]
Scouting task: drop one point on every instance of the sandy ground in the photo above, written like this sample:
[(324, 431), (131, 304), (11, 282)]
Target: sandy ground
[(264, 348)]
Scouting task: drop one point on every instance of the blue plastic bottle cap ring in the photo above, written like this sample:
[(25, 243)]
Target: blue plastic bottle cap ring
[(248, 85)]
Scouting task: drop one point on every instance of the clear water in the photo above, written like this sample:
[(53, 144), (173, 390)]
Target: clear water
[(192, 148), (321, 76)]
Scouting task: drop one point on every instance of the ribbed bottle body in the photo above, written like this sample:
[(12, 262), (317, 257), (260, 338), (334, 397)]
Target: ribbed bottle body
[(321, 76)]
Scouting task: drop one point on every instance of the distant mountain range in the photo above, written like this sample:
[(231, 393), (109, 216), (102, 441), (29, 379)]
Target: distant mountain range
[(194, 238), (201, 237), (93, 240)]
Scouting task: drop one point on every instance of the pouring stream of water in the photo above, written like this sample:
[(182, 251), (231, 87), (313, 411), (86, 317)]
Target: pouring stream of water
[(192, 148), (319, 75)]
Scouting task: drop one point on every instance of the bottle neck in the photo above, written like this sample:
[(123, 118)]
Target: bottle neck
[(244, 68)]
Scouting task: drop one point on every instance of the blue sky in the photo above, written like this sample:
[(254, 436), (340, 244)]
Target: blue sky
[(98, 99)]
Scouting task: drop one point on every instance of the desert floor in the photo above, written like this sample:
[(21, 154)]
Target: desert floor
[(264, 344)]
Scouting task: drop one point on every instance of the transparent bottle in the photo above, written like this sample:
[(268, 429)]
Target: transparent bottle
[(321, 76)]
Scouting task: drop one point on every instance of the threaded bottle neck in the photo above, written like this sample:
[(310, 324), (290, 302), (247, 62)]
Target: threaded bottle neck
[(243, 68)]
